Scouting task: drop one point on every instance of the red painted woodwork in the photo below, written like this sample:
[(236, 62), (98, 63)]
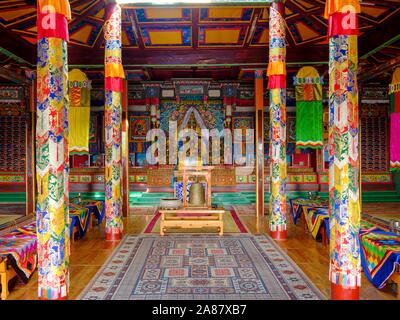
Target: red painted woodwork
[(79, 161), (278, 235), (301, 160), (113, 236), (341, 293)]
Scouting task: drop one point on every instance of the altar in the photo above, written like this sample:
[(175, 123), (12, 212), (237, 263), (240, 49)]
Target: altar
[(184, 182), (197, 211)]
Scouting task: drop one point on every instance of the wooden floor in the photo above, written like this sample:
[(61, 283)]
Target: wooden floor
[(90, 253)]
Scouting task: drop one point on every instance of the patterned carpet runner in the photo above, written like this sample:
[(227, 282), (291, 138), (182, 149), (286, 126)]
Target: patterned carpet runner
[(200, 267)]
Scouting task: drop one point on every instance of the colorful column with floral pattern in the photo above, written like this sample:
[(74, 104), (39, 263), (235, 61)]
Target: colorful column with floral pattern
[(277, 85), (114, 75), (52, 164), (344, 153)]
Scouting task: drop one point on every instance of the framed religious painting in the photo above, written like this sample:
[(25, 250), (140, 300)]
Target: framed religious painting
[(243, 123), (291, 129), (93, 128), (138, 128)]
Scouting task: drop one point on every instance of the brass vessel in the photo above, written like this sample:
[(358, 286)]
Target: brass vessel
[(197, 195)]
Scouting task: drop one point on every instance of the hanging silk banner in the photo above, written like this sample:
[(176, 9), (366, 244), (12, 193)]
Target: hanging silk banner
[(394, 94), (308, 108), (344, 154), (79, 112), (52, 161), (114, 73)]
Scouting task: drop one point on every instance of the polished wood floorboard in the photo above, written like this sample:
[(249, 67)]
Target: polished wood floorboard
[(91, 252)]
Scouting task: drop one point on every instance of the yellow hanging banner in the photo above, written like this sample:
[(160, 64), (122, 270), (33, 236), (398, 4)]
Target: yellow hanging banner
[(79, 112)]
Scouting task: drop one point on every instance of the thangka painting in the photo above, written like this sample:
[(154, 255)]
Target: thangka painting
[(246, 94), (93, 129), (243, 123), (211, 113), (10, 94), (291, 129), (191, 89), (138, 127)]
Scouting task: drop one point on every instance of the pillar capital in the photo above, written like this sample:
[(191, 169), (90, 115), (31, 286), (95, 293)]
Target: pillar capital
[(259, 73)]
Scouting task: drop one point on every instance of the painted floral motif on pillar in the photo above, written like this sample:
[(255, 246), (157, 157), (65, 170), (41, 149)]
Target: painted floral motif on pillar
[(114, 75), (52, 164), (344, 153), (277, 85)]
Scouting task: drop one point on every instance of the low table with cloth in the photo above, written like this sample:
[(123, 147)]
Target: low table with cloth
[(380, 248), (81, 212), (317, 220), (316, 216), (297, 206), (96, 207), (380, 255), (79, 221), (18, 255), (18, 245)]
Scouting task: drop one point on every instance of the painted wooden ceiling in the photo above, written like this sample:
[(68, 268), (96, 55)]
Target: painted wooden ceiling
[(218, 42)]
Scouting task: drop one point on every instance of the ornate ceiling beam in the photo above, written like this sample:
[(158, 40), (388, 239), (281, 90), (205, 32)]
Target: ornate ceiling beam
[(13, 76), (373, 40), (89, 56), (17, 46), (380, 69)]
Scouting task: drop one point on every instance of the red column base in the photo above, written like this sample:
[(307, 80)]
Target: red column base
[(61, 298), (278, 235), (113, 236), (342, 293)]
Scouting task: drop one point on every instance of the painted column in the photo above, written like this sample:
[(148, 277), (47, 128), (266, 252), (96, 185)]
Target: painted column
[(52, 164), (277, 85), (259, 101), (114, 75), (125, 150), (344, 156)]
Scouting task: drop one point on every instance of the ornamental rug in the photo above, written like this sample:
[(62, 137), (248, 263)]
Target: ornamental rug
[(232, 224), (206, 267)]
